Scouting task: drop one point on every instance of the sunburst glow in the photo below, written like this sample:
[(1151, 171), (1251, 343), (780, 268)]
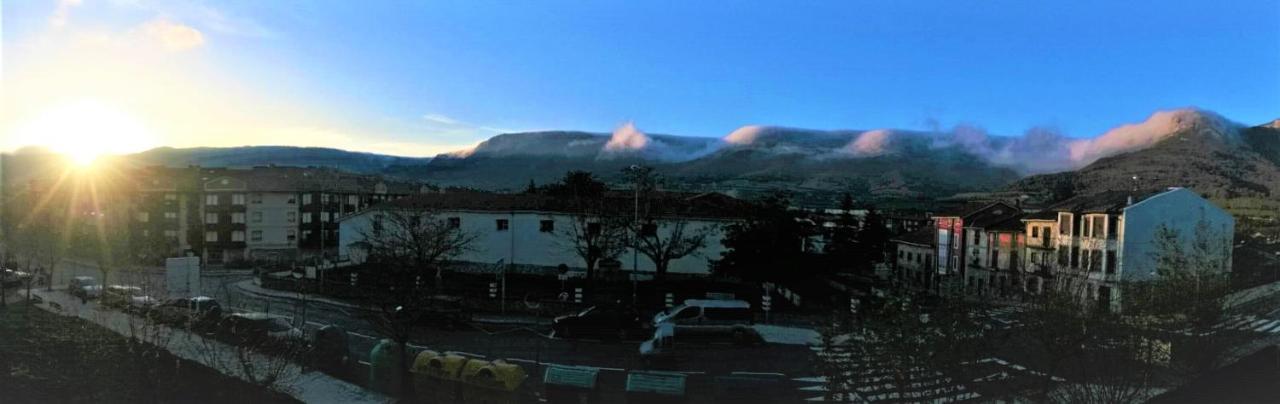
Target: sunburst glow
[(83, 130)]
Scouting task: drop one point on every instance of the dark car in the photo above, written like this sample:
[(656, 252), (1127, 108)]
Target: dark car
[(194, 311), (443, 311), (600, 322), (260, 329)]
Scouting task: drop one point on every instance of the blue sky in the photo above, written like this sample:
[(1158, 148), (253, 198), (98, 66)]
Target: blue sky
[(422, 77)]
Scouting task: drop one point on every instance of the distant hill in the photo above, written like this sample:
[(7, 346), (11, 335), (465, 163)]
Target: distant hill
[(1216, 159), (249, 156)]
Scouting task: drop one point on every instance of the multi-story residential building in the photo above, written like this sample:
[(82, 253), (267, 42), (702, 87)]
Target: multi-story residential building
[(527, 232), (1107, 239), (913, 259), (961, 242), (994, 244), (1041, 257), (262, 213)]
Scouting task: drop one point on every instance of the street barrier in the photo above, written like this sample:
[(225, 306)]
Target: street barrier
[(571, 384)]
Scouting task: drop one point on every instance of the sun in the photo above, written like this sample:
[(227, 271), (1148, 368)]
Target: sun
[(84, 130)]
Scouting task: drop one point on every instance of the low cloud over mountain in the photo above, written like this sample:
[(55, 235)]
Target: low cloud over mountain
[(1038, 150)]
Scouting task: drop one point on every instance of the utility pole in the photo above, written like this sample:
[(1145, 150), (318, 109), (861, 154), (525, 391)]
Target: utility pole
[(635, 258)]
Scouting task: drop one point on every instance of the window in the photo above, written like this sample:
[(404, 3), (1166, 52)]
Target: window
[(293, 217), (1064, 224), (306, 218), (649, 230), (210, 236), (256, 235), (170, 215), (292, 235), (1098, 229), (324, 216), (1063, 260), (455, 222), (502, 224), (144, 217), (306, 199), (1075, 257), (237, 217), (171, 233), (995, 258), (237, 236), (170, 196), (326, 198), (353, 200), (146, 233), (547, 226), (292, 199), (237, 199), (1035, 231), (211, 218), (257, 198), (211, 200), (257, 217), (1111, 262), (306, 235)]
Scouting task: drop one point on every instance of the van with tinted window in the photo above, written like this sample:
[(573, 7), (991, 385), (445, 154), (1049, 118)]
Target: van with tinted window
[(706, 312)]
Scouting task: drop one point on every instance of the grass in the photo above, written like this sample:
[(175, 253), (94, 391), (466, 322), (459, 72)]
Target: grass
[(47, 358)]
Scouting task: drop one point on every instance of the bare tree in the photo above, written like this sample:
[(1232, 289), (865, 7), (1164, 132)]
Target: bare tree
[(663, 240), (406, 243), (595, 235)]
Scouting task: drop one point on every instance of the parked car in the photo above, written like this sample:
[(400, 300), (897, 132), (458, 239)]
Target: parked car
[(672, 344), (601, 322), (193, 311), (261, 329), (76, 286), (119, 295), (444, 310), (706, 312), (88, 292), (11, 278), (141, 304)]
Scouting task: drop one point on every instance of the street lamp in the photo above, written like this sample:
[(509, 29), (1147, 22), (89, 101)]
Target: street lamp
[(635, 258)]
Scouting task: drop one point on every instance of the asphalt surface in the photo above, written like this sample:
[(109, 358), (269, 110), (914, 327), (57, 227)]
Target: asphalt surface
[(519, 343)]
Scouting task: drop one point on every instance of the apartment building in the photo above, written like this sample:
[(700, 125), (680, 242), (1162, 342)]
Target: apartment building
[(1110, 238), (913, 259), (260, 213), (961, 242), (1088, 245), (527, 232)]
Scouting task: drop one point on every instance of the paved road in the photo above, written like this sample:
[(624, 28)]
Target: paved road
[(524, 343)]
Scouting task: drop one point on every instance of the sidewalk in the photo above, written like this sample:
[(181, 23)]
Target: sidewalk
[(251, 287), (306, 386)]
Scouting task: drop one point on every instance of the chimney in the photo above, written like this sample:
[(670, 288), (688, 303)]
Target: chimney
[(1129, 201)]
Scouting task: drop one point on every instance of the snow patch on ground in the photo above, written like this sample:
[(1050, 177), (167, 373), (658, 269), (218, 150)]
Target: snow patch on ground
[(775, 334)]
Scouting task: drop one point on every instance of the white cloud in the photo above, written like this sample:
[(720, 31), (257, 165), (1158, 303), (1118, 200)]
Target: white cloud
[(62, 12), (171, 35), (627, 137)]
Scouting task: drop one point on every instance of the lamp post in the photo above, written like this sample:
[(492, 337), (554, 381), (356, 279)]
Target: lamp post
[(635, 258)]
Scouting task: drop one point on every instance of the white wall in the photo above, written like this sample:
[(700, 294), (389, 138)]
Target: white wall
[(524, 244), (1180, 210)]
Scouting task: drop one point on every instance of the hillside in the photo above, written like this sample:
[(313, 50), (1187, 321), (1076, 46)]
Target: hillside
[(1221, 163), (249, 156)]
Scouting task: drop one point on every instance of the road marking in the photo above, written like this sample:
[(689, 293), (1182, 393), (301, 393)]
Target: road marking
[(361, 335), (1269, 324)]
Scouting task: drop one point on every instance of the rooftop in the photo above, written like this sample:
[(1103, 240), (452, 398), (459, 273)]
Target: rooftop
[(708, 205)]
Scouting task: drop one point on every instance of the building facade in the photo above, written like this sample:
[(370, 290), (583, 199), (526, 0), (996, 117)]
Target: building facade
[(529, 232), (1087, 245), (255, 214)]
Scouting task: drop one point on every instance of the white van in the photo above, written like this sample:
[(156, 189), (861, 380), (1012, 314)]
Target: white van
[(706, 312)]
